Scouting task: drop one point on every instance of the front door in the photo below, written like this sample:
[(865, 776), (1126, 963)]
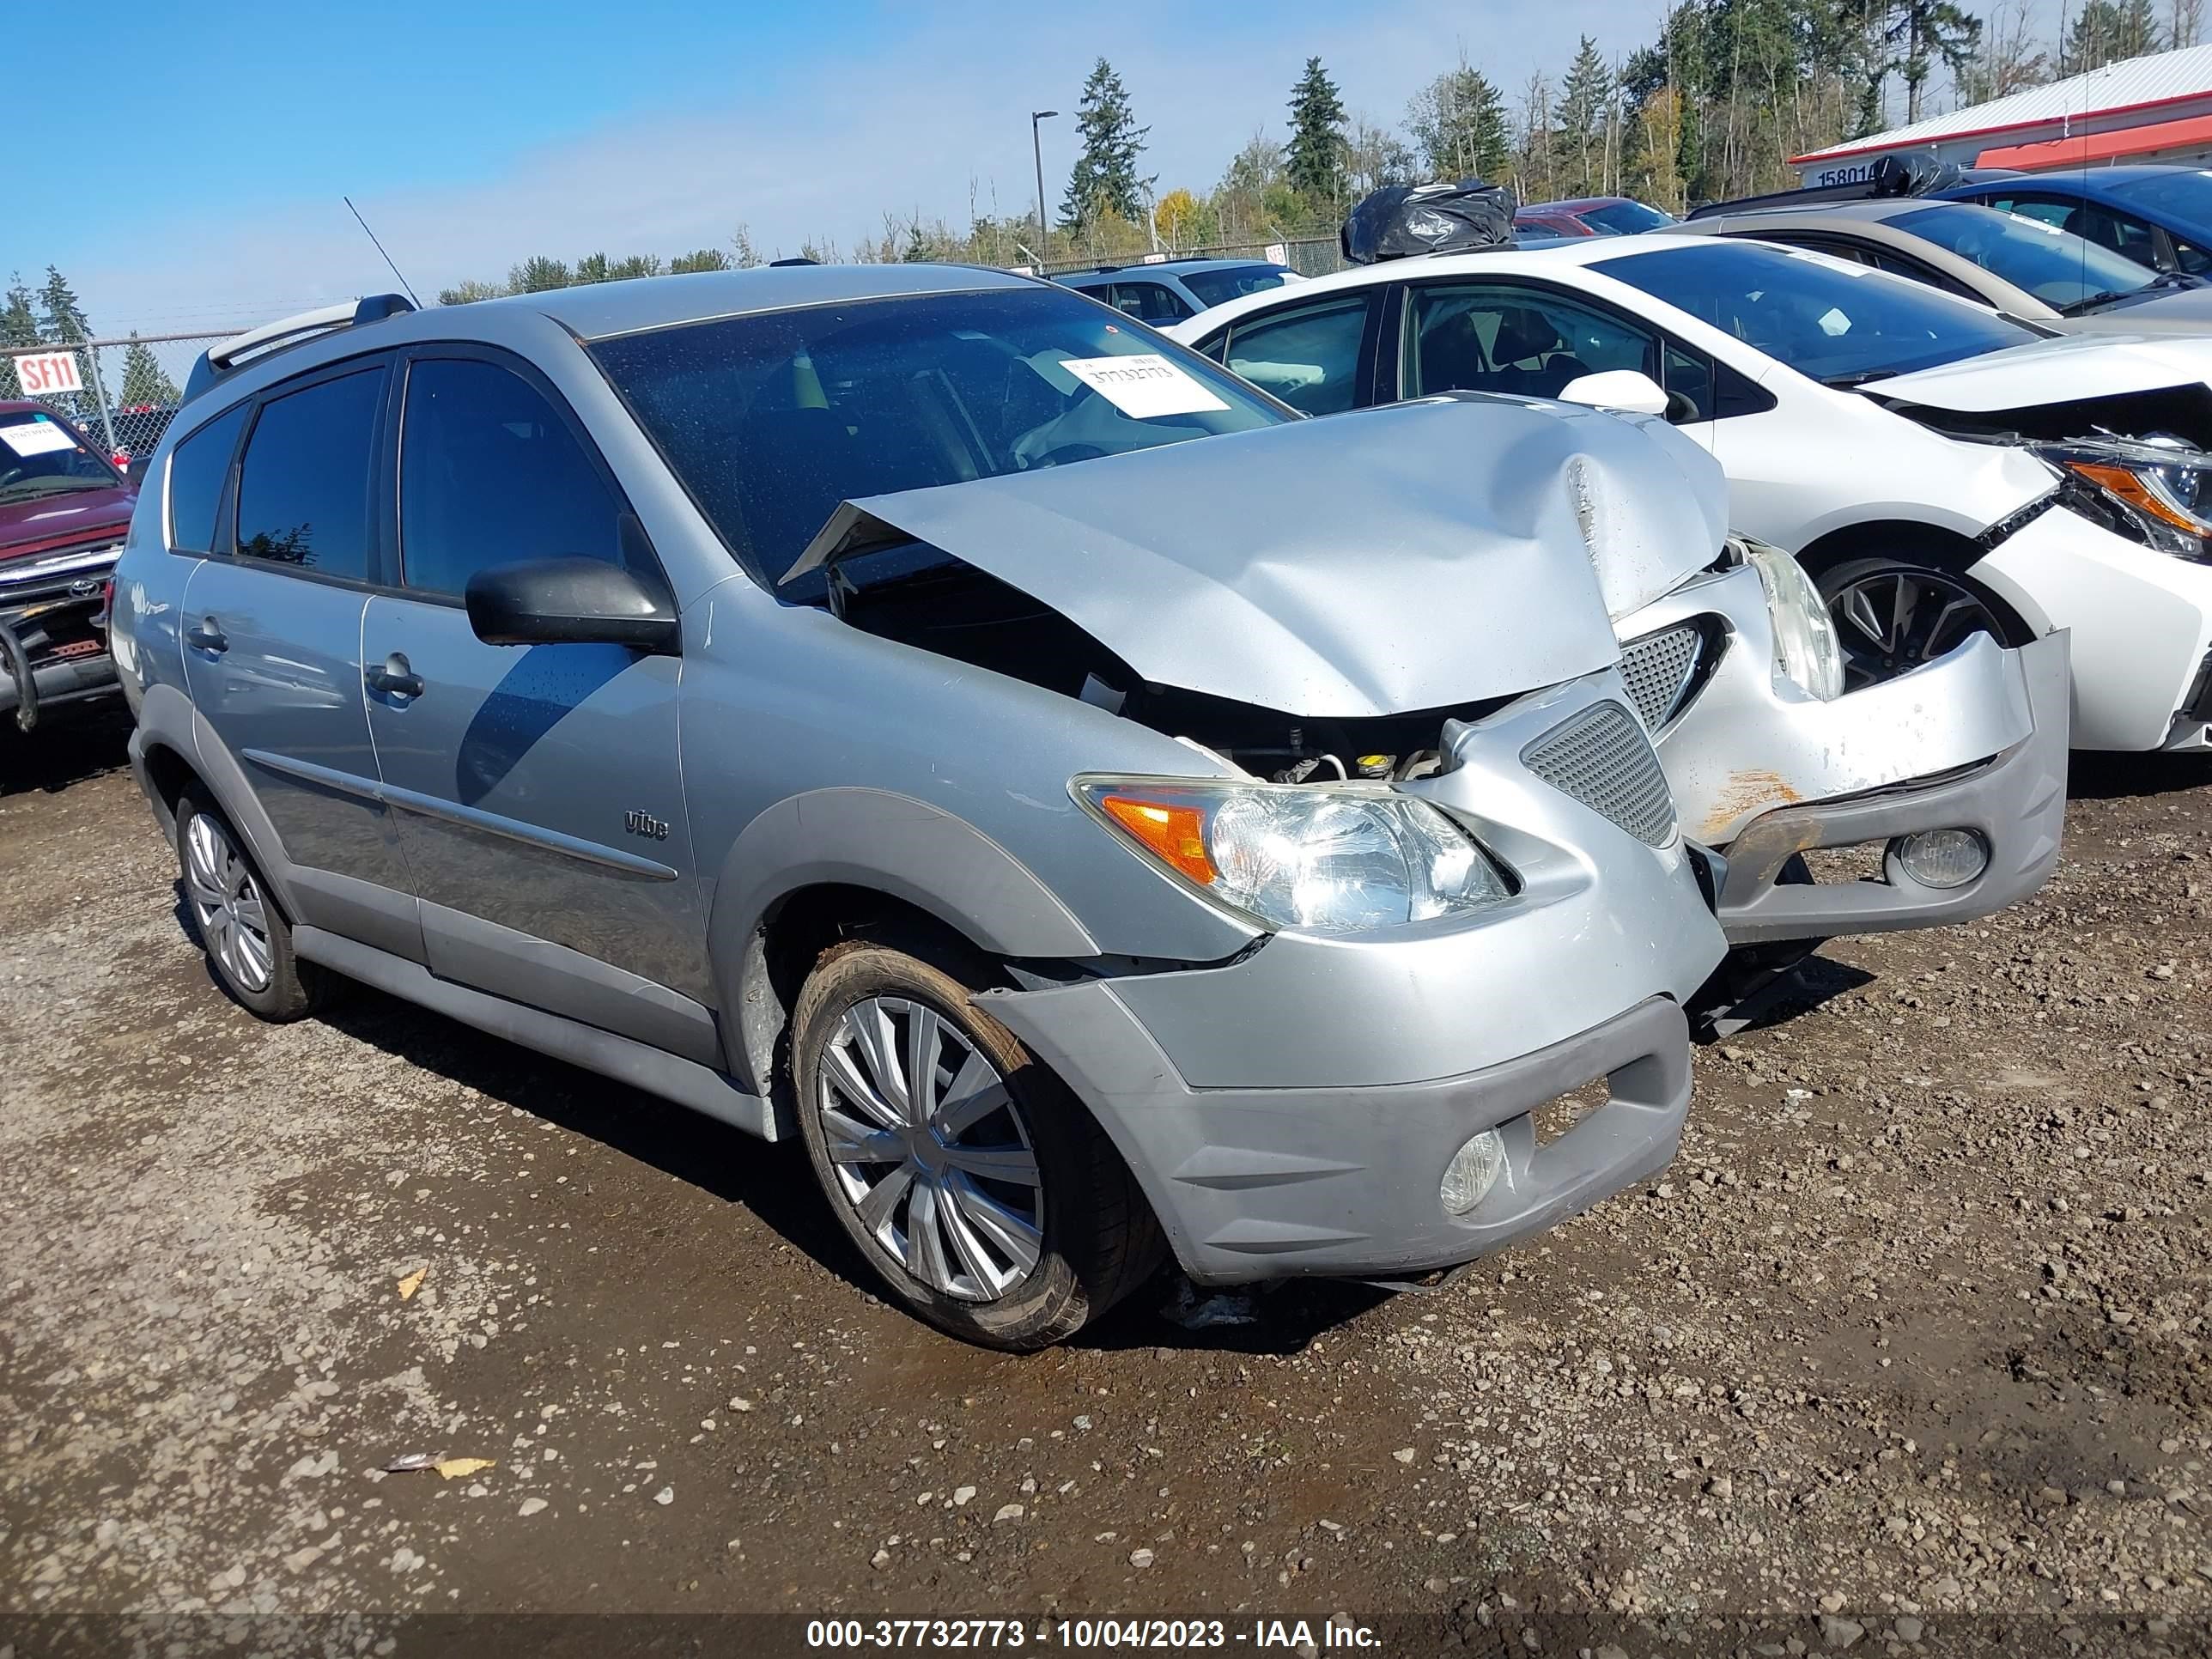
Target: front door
[(537, 787), (272, 637)]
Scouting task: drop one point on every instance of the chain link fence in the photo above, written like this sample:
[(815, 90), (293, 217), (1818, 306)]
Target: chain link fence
[(121, 393), (1310, 256)]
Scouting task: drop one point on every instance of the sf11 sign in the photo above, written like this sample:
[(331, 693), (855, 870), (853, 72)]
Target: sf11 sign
[(43, 374)]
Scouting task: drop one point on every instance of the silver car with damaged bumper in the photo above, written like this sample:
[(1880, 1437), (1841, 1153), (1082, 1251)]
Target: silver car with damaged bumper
[(838, 702)]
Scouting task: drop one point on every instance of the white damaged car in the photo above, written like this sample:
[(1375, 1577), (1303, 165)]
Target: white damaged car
[(1939, 471)]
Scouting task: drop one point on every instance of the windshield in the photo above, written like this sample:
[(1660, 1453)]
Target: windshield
[(1216, 286), (41, 455), (1625, 218), (2062, 269), (1838, 323), (2186, 193), (770, 421)]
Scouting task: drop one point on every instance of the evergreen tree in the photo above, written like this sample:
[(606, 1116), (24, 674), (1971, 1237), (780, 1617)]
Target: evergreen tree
[(1105, 172), (144, 380), (1585, 101), (1315, 158), (468, 291), (595, 268), (705, 258), (19, 326), (539, 275), (2107, 32), (1459, 121), (62, 320)]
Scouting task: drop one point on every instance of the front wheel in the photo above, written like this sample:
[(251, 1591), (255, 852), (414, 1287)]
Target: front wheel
[(1892, 615), (974, 1183)]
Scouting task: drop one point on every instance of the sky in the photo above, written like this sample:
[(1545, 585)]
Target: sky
[(473, 138)]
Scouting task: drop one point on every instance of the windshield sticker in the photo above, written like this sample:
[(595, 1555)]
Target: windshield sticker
[(1144, 385), (44, 437), (1833, 322)]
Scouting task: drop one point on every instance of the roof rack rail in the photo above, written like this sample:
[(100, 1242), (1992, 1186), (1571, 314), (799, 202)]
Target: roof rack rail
[(234, 354)]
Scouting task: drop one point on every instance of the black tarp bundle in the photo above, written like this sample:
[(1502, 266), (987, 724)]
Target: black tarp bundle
[(1452, 217)]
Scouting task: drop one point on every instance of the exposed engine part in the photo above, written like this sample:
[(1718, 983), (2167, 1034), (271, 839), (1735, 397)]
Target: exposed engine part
[(923, 596)]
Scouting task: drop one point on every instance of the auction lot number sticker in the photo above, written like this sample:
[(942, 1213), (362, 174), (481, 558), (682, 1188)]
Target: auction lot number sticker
[(1144, 385)]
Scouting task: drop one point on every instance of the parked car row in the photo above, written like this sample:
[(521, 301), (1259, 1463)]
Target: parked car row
[(1103, 815)]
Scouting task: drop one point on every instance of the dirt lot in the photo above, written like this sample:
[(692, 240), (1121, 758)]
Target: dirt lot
[(1909, 1344)]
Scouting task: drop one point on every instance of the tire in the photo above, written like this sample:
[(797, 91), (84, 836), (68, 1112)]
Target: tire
[(992, 1270), (247, 939), (1949, 607)]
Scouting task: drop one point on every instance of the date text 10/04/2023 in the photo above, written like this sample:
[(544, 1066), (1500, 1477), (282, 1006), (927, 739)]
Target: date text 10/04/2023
[(1291, 1635)]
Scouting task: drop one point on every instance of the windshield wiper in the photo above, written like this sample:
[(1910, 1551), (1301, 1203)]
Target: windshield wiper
[(23, 489), (2099, 301)]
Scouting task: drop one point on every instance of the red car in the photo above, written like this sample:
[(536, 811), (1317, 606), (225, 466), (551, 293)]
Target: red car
[(64, 511), (1591, 215)]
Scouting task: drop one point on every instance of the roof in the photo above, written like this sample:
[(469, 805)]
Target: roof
[(1173, 267), (2139, 84), (2085, 147), (597, 310)]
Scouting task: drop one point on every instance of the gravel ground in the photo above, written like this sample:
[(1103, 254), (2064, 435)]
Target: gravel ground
[(1906, 1354)]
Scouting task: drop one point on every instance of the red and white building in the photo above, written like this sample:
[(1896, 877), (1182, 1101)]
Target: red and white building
[(2147, 109)]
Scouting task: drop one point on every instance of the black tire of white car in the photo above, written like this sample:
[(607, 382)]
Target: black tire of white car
[(1099, 1240), (294, 989), (1865, 657)]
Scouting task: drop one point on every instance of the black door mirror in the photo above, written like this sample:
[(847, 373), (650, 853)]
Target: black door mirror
[(570, 602)]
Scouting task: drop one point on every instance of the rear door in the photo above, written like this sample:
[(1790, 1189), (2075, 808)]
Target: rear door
[(537, 787), (1317, 356), (271, 632)]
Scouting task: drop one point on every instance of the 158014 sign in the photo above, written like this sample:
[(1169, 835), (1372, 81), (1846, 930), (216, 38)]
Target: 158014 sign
[(43, 374)]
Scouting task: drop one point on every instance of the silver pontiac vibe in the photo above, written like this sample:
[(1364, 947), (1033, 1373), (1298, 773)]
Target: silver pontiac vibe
[(841, 701)]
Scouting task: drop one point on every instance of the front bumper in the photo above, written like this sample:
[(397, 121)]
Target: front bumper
[(1291, 1111), (2142, 622), (53, 633), (1762, 771), (2015, 802), (1254, 1184)]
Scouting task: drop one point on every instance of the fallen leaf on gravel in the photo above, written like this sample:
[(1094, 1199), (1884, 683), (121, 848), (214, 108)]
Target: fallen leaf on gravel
[(412, 1283), (455, 1467), (411, 1462)]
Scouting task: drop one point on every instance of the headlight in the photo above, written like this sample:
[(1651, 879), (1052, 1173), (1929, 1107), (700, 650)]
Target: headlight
[(1807, 652), (1329, 860), (2154, 490)]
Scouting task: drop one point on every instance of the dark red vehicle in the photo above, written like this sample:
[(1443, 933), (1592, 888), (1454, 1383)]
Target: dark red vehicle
[(64, 511), (1591, 215)]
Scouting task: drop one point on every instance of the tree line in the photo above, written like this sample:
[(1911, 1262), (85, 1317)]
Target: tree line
[(1714, 107), (53, 316)]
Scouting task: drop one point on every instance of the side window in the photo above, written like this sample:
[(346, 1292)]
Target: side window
[(1504, 338), (1689, 383), (2192, 258), (198, 469), (2128, 237), (1216, 348), (303, 489), (1308, 356), (1150, 302), (1899, 264), (490, 475)]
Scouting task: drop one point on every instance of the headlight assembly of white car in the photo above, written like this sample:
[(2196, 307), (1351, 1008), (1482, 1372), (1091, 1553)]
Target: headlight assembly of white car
[(1326, 859), (2157, 491), (1807, 652)]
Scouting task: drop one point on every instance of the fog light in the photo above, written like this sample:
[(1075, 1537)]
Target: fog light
[(1941, 858), (1472, 1173)]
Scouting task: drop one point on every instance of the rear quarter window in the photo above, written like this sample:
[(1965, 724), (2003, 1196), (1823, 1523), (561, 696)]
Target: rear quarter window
[(199, 468)]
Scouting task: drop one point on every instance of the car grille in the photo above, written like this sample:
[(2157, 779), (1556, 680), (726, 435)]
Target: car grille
[(1660, 671), (1602, 758)]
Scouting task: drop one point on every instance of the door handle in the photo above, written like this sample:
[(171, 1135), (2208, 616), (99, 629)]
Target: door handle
[(393, 678), (207, 635)]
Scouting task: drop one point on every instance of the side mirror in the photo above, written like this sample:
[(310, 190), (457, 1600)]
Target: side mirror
[(1617, 388), (570, 602), (134, 474)]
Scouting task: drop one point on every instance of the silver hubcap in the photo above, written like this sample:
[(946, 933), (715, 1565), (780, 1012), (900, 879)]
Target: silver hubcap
[(227, 904), (1896, 620), (930, 1150)]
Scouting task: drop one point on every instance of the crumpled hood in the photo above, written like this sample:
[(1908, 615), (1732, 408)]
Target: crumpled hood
[(1418, 557), (2068, 369)]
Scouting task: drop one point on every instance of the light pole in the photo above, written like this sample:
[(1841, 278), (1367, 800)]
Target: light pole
[(1036, 153)]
